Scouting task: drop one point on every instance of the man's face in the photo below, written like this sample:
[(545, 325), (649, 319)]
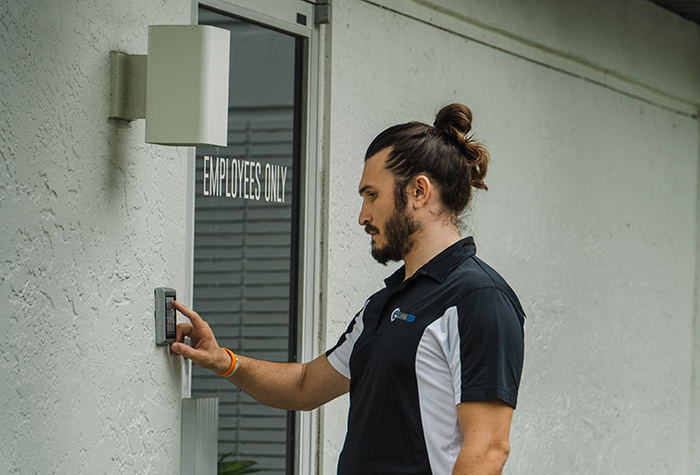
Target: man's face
[(392, 230)]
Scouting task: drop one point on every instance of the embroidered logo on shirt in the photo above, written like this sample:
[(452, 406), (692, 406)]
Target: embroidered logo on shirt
[(397, 313)]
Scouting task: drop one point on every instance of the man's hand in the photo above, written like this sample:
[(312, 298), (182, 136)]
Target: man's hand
[(205, 351)]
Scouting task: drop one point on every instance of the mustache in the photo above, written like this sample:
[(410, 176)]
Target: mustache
[(371, 229)]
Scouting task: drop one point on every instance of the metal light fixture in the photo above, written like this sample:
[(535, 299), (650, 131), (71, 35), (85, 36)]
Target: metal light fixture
[(180, 87)]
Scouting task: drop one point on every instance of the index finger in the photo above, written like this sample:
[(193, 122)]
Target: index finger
[(189, 313)]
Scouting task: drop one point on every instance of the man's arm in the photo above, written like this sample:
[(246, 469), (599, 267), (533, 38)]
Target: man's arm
[(291, 386), (486, 428)]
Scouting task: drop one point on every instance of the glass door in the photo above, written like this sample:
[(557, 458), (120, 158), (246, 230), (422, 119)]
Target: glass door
[(247, 226)]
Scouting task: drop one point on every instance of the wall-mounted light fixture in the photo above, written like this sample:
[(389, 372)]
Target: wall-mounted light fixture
[(180, 87)]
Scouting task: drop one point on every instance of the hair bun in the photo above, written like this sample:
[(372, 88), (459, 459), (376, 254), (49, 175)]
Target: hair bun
[(455, 121), (454, 118)]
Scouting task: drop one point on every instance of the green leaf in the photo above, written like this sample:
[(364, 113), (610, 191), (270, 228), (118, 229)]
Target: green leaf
[(221, 459), (239, 467)]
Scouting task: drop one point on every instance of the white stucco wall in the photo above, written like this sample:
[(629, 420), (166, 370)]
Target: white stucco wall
[(92, 221), (591, 216), (591, 212)]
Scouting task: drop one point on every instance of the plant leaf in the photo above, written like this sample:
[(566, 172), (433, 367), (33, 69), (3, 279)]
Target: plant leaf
[(221, 459), (239, 467)]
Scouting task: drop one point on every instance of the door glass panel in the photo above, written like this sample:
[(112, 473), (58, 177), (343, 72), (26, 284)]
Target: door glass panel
[(245, 235)]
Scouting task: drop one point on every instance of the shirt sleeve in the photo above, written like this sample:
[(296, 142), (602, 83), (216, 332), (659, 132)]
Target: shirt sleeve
[(339, 355), (491, 348)]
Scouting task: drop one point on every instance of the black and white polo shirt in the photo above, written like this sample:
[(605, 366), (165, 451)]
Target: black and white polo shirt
[(451, 333)]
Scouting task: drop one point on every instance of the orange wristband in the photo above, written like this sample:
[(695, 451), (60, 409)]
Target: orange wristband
[(234, 365)]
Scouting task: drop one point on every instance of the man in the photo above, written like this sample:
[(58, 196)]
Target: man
[(432, 361)]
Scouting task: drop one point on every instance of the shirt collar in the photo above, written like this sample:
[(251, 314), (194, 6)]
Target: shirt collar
[(440, 266)]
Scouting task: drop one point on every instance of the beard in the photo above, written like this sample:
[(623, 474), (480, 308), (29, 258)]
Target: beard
[(398, 233)]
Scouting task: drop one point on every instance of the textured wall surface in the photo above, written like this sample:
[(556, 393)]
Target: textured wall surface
[(92, 221), (591, 215), (610, 36)]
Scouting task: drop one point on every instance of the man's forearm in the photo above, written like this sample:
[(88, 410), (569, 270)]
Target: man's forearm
[(274, 384), (290, 386)]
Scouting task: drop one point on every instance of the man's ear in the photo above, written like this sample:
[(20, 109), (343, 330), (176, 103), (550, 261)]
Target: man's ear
[(420, 191)]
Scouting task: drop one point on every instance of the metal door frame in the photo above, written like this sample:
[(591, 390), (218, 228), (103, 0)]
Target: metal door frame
[(288, 17)]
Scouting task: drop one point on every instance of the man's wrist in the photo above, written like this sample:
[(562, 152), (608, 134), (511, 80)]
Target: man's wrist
[(223, 361), (233, 365)]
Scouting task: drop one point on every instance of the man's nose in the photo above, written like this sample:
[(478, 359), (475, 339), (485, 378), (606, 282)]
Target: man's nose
[(364, 216)]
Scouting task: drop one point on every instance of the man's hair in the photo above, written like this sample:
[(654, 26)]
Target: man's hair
[(453, 161)]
